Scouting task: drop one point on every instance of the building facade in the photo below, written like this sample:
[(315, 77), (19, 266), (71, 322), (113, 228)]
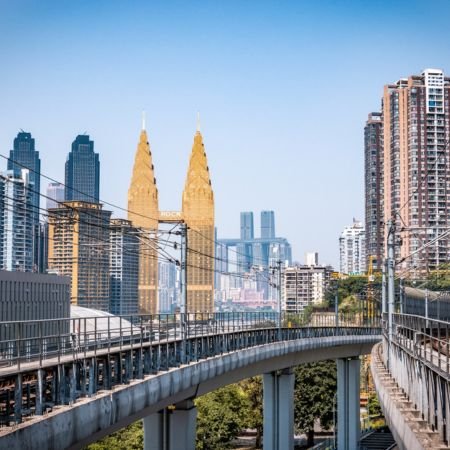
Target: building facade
[(124, 267), (143, 212), (352, 249), (198, 215), (17, 222), (304, 286), (79, 248), (416, 175), (82, 180), (373, 182), (31, 296)]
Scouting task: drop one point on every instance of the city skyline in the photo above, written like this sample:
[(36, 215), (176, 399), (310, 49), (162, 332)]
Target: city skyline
[(194, 59)]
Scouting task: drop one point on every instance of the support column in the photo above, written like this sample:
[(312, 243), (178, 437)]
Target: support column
[(171, 429), (18, 399), (349, 429), (278, 398), (40, 392)]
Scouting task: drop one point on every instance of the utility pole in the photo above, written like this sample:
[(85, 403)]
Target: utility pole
[(383, 289), (401, 296), (336, 305), (390, 283), (183, 283), (279, 297)]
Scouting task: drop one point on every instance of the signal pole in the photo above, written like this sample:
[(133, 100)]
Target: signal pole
[(183, 283), (390, 283), (279, 297)]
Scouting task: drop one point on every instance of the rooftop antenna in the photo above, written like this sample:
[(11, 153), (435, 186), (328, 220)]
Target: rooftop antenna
[(143, 120), (198, 122)]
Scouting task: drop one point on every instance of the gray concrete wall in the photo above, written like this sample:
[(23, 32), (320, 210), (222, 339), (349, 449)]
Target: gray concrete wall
[(404, 436), (92, 418)]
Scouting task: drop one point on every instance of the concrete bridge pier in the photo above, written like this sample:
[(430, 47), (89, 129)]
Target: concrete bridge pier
[(349, 428), (172, 428), (278, 399)]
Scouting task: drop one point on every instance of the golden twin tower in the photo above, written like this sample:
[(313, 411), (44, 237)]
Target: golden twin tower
[(197, 212)]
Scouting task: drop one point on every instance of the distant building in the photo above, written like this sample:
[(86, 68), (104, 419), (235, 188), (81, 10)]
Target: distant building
[(352, 249), (41, 248), (255, 256), (168, 286), (55, 195), (124, 267), (267, 224), (304, 286), (312, 259), (79, 247), (247, 228), (373, 166), (24, 156), (82, 171), (17, 221)]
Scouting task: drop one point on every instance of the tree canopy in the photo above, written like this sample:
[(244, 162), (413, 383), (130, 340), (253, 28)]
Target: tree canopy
[(314, 396)]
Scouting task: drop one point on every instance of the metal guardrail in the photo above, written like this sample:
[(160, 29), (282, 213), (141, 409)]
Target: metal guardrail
[(26, 341), (419, 357)]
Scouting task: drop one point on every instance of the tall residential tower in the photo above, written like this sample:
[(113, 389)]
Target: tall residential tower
[(373, 172)]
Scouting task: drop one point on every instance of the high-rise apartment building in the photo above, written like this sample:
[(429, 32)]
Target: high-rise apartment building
[(373, 172), (79, 247), (416, 175), (24, 156), (143, 212), (352, 249), (267, 224), (198, 214), (124, 267), (55, 195), (82, 171), (17, 221), (304, 286)]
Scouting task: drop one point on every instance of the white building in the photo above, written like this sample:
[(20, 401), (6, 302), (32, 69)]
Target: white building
[(123, 267), (16, 221), (312, 259), (352, 249), (55, 195), (303, 286)]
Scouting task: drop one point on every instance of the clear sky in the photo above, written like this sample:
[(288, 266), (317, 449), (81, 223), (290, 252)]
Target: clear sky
[(283, 89)]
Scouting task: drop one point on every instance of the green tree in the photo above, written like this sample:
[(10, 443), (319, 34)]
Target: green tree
[(129, 438), (315, 387), (373, 406), (439, 279), (221, 416), (252, 388)]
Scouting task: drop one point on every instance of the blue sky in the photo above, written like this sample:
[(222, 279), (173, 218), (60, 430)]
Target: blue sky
[(283, 89)]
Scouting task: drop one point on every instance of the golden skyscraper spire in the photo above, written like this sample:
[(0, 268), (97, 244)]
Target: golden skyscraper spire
[(198, 213), (143, 211)]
